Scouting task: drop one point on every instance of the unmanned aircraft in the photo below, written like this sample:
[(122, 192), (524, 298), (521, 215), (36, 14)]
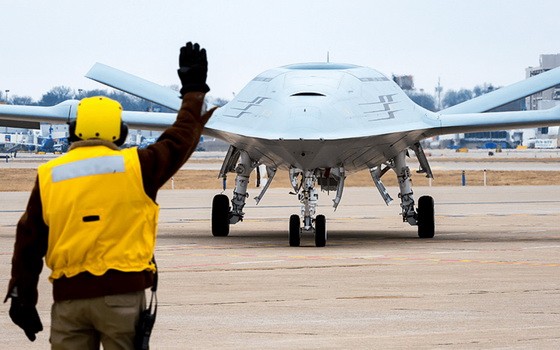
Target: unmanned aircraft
[(320, 122)]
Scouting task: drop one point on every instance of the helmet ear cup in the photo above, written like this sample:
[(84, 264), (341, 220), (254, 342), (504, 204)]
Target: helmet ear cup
[(72, 137), (124, 133)]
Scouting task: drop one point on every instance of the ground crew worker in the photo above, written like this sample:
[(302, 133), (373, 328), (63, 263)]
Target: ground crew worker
[(93, 214)]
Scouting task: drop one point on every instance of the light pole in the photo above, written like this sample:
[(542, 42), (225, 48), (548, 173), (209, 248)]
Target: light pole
[(6, 131)]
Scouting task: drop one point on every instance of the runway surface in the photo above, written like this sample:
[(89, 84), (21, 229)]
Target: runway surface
[(489, 279)]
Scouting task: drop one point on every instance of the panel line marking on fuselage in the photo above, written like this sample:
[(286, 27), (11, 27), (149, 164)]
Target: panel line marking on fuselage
[(245, 110), (386, 101), (263, 79), (365, 80)]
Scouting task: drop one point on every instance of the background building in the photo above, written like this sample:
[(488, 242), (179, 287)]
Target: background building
[(547, 98), (546, 137)]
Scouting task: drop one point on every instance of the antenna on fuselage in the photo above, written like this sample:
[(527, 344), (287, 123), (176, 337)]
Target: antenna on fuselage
[(328, 60)]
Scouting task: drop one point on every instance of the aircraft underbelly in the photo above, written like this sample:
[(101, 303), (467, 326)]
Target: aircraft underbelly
[(354, 154)]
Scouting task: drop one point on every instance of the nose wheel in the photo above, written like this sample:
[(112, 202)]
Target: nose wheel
[(320, 231), (294, 234)]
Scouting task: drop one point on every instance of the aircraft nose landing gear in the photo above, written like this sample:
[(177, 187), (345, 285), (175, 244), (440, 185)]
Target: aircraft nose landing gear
[(423, 217), (294, 233), (308, 198), (320, 231)]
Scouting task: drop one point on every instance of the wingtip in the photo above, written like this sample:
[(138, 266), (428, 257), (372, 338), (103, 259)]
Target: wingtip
[(93, 69)]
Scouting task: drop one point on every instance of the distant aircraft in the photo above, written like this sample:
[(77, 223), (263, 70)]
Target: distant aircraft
[(48, 145), (10, 144), (321, 122), (43, 144)]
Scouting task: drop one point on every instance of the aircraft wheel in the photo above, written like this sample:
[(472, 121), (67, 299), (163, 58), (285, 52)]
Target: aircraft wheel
[(320, 231), (294, 233), (220, 215), (426, 217)]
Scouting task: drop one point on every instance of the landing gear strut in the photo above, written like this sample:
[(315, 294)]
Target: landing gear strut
[(304, 183), (405, 185), (424, 216), (222, 214)]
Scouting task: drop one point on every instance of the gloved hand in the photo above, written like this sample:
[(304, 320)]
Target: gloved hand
[(193, 68), (26, 317)]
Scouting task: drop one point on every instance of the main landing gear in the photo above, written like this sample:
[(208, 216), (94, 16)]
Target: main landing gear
[(423, 217), (304, 183)]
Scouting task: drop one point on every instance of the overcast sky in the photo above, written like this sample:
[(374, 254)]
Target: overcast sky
[(50, 43)]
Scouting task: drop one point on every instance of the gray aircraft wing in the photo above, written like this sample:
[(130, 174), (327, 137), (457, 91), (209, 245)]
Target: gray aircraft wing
[(134, 85), (31, 116), (467, 116), (507, 94), (472, 122)]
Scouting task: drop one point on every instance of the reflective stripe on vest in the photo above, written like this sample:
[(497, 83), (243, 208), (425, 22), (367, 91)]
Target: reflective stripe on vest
[(86, 167)]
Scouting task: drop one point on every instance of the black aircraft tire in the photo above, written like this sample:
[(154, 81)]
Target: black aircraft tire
[(220, 215), (426, 217), (294, 232), (320, 231)]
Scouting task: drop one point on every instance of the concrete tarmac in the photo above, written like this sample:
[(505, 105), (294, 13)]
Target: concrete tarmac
[(490, 279)]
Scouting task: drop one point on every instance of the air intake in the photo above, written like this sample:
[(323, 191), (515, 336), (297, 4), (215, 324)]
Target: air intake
[(308, 94)]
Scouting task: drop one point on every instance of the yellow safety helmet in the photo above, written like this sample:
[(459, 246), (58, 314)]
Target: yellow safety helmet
[(99, 117)]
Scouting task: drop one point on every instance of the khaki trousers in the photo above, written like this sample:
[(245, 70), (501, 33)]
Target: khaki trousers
[(86, 323)]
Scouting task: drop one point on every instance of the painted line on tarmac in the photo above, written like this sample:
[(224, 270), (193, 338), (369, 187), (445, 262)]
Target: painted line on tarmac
[(186, 250), (257, 262), (288, 259), (475, 261), (542, 247)]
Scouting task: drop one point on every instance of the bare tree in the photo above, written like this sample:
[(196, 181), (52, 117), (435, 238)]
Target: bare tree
[(56, 95), (453, 97), (22, 100), (422, 99)]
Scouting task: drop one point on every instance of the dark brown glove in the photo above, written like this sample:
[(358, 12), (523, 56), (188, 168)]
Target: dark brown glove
[(26, 317)]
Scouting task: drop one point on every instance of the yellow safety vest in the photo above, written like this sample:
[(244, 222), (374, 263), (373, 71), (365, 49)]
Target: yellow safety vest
[(99, 216)]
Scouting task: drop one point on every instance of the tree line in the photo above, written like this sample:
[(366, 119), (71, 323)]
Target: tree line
[(450, 98)]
